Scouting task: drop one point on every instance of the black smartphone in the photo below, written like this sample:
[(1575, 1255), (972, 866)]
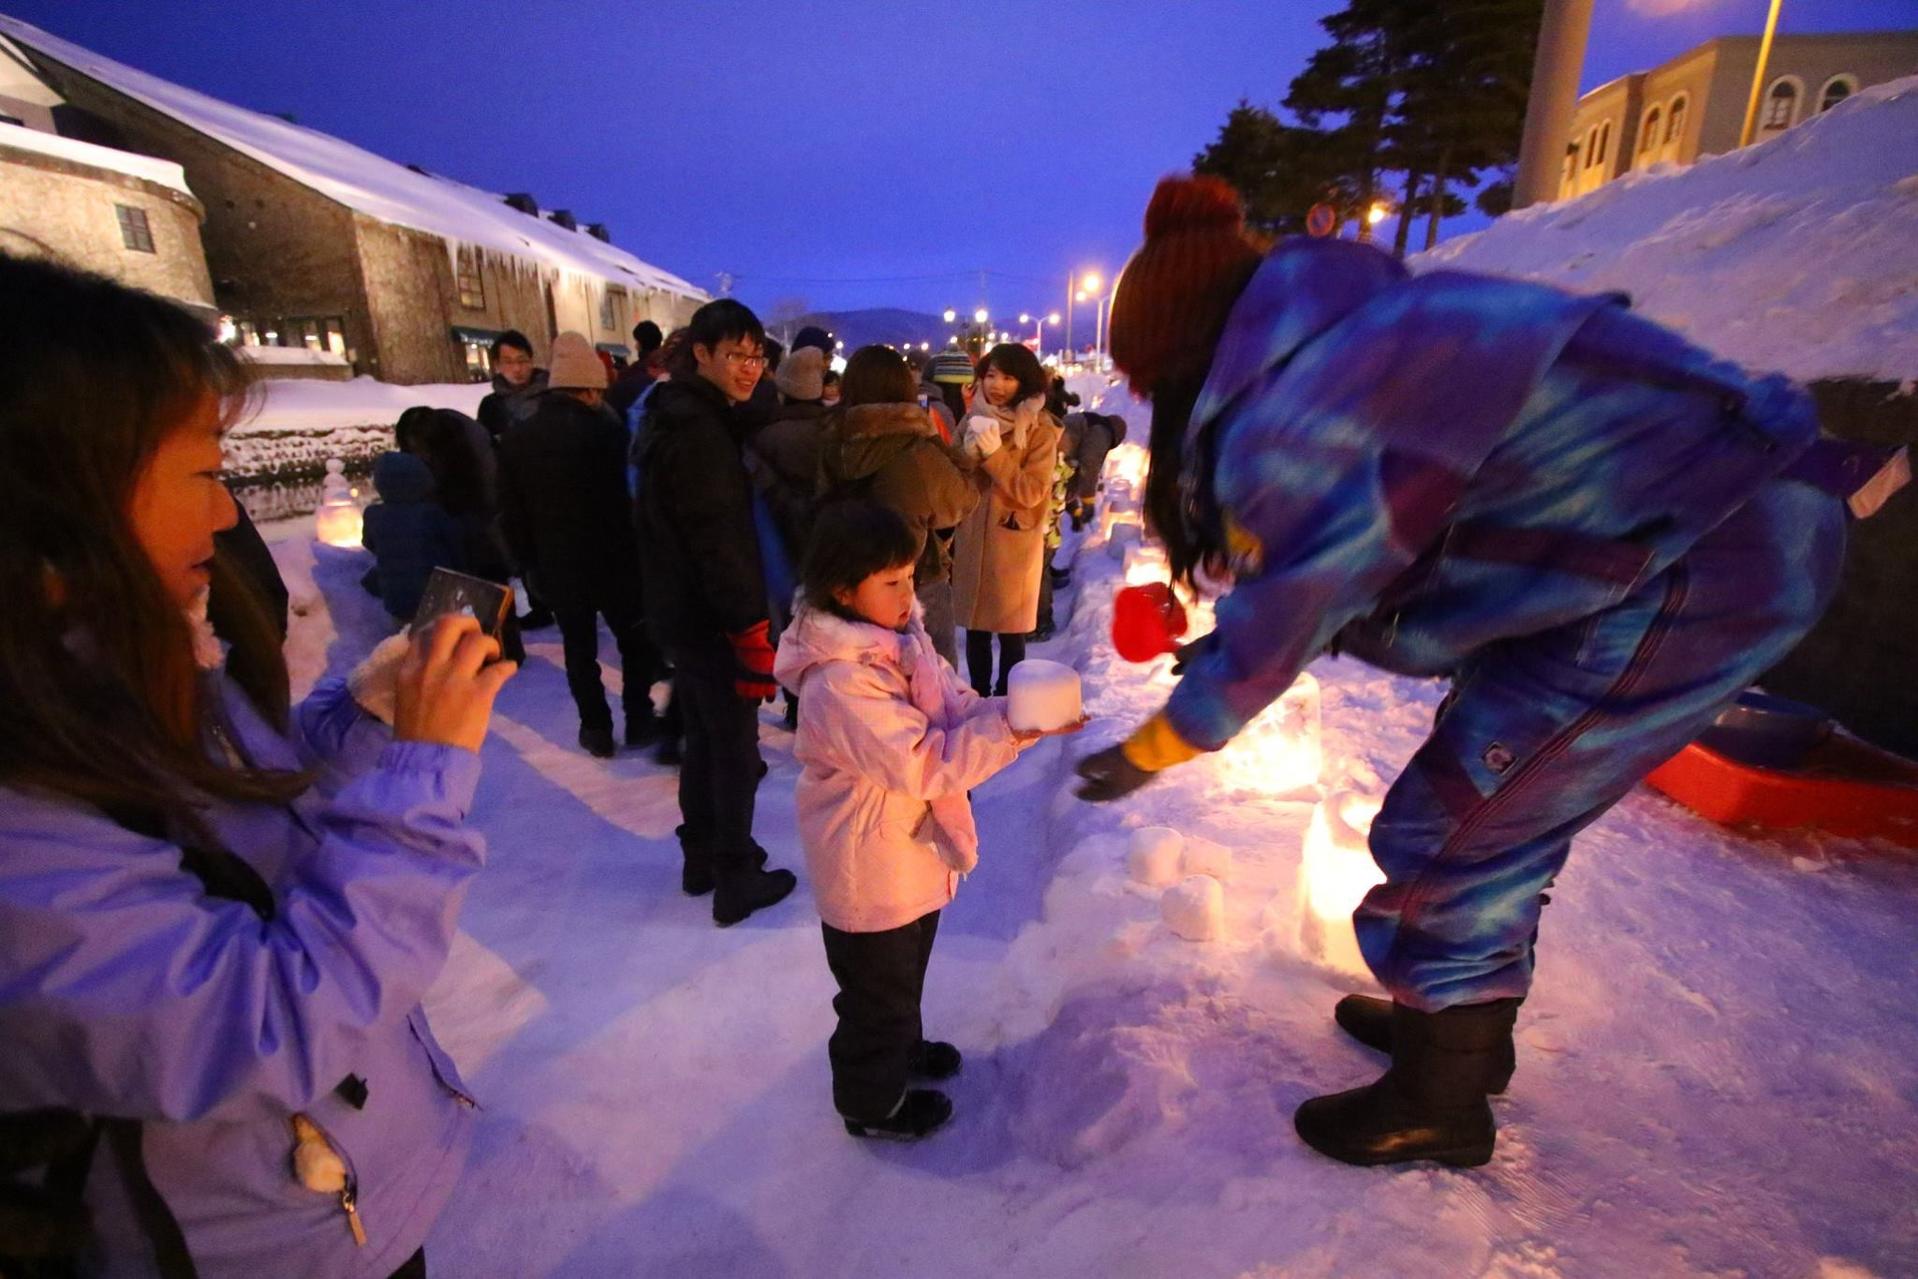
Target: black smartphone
[(450, 592)]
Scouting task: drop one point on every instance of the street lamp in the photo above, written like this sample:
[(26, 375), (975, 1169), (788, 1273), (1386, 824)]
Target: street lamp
[(951, 315), (980, 316)]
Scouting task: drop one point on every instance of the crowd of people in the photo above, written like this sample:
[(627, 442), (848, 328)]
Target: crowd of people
[(219, 911)]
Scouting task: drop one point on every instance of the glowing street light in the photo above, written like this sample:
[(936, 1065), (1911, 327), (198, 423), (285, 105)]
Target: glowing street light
[(980, 316), (951, 315), (1376, 214)]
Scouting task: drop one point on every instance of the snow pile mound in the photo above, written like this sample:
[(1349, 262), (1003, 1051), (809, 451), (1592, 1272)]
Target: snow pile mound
[(1798, 254), (296, 424)]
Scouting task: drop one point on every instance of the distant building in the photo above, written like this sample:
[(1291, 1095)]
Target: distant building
[(1694, 104), (127, 216), (313, 242)]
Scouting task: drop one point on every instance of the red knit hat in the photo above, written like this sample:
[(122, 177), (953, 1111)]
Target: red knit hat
[(1174, 295)]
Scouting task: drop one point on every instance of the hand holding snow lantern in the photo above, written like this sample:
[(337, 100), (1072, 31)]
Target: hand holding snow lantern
[(337, 521), (1147, 621)]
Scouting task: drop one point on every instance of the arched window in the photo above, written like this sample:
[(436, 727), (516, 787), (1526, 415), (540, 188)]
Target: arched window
[(1781, 105), (1836, 90), (1675, 122), (1648, 132), (1591, 147), (1604, 141)]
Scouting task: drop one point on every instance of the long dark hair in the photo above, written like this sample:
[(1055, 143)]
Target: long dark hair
[(100, 696), (877, 375), (1193, 537), (441, 438)]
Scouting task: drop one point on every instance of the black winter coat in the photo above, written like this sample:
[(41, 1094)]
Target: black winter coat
[(562, 490), (698, 545)]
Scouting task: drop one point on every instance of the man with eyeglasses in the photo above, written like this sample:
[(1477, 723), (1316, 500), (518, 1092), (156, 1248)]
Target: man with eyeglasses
[(706, 598)]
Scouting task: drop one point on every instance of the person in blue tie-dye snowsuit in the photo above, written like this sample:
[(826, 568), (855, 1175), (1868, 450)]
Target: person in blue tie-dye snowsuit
[(1581, 519)]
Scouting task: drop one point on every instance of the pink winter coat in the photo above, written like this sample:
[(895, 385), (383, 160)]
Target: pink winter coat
[(890, 740)]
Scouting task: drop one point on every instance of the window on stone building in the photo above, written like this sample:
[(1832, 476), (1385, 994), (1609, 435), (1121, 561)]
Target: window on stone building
[(1648, 132), (1781, 105), (1837, 89), (472, 284), (135, 233), (612, 308), (479, 361), (1604, 141), (1675, 123), (317, 333)]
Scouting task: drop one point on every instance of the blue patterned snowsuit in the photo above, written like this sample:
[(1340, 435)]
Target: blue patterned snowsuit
[(1570, 511)]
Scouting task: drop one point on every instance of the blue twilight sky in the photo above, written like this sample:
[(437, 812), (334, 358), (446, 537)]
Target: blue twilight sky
[(854, 154)]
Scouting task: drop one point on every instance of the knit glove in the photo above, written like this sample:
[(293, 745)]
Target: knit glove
[(753, 658), (983, 435)]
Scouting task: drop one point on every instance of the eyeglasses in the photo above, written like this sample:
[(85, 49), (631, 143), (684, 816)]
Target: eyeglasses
[(740, 361)]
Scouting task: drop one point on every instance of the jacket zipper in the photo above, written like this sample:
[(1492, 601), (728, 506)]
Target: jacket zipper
[(349, 1193)]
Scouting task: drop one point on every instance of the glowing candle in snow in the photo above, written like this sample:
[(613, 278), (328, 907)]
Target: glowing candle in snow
[(337, 522), (1145, 564), (1280, 750), (1335, 874)]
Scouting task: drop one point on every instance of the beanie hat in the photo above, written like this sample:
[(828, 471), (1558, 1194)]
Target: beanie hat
[(802, 376), (813, 336), (1172, 299), (575, 365)]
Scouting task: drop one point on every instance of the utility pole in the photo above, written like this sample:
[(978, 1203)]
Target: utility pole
[(1758, 76), (1554, 97)]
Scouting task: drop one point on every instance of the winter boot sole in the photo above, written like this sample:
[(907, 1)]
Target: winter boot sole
[(1327, 1125)]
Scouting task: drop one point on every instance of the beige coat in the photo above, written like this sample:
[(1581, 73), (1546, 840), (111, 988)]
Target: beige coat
[(999, 550)]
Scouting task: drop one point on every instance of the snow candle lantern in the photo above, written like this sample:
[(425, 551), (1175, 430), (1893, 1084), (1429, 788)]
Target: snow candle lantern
[(1042, 696), (1336, 873), (1280, 751), (337, 521), (1146, 563)]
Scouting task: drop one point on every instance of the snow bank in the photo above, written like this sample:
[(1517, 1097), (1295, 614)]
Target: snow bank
[(160, 172), (1798, 254), (359, 179), (297, 424)]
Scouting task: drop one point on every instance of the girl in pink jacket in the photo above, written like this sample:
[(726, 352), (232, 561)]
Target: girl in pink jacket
[(890, 743)]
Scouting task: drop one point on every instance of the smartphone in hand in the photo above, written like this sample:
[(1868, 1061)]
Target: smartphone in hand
[(450, 592)]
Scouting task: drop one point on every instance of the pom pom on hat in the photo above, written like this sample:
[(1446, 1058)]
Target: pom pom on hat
[(1174, 296)]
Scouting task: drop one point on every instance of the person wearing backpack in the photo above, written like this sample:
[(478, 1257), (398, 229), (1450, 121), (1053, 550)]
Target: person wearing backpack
[(880, 444), (1599, 532), (218, 912)]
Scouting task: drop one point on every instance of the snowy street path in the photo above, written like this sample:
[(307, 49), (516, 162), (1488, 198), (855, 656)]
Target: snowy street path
[(1718, 1073)]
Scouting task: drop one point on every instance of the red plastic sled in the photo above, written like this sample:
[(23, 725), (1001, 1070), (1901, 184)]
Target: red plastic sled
[(1845, 787)]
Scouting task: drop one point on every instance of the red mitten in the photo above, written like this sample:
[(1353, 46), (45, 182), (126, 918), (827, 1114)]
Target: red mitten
[(753, 651), (1147, 621)]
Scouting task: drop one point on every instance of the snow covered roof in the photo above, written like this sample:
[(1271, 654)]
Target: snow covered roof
[(160, 172), (371, 184), (1798, 254)]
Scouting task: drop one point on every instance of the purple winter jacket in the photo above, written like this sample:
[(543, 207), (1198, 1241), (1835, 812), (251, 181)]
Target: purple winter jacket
[(125, 990)]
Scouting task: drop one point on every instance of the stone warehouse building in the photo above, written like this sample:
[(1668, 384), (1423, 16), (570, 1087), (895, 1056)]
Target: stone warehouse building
[(1695, 104), (311, 241), (127, 216)]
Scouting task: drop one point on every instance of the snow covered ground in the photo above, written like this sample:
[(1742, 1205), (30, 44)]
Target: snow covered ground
[(1798, 254), (1718, 1071)]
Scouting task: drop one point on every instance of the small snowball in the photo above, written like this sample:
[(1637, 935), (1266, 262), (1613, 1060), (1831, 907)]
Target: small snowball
[(1154, 857), (1194, 908)]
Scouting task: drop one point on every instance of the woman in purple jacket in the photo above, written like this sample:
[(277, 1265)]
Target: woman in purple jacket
[(217, 913)]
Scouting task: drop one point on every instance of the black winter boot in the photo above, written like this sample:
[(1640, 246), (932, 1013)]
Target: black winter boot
[(739, 895), (696, 866), (642, 727), (920, 1111), (1369, 1020), (1431, 1103), (596, 741), (933, 1059)]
